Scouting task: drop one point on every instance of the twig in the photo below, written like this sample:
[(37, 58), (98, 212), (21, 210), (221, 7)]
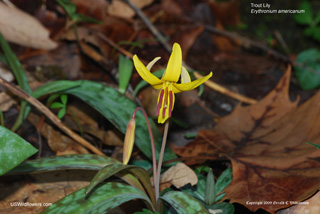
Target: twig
[(247, 43), (151, 27), (226, 91), (284, 45), (42, 108)]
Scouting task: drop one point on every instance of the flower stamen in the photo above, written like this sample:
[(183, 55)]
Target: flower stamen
[(160, 102), (170, 103)]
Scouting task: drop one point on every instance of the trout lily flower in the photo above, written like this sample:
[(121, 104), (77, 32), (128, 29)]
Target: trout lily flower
[(168, 84)]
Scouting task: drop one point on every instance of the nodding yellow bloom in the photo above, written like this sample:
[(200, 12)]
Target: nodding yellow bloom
[(168, 83)]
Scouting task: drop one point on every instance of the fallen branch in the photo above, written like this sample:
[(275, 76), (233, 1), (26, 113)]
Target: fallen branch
[(42, 108)]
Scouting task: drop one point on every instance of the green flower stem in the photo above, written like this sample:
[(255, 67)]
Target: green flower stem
[(163, 146), (154, 157)]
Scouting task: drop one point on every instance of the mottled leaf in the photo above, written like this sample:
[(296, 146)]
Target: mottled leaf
[(118, 109), (105, 173), (13, 150), (121, 170), (85, 162), (103, 199), (183, 203)]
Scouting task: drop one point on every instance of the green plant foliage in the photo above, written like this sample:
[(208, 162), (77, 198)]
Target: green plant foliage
[(105, 173), (308, 71), (146, 211), (118, 110), (210, 191), (81, 162), (184, 203), (62, 105), (315, 145), (142, 163), (54, 87), (125, 72), (15, 65), (20, 76), (71, 9), (103, 199), (222, 182), (307, 18), (115, 169), (13, 150), (304, 18)]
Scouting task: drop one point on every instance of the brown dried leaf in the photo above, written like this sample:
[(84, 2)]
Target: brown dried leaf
[(312, 206), (43, 188), (179, 175), (57, 142), (6, 101), (122, 10), (21, 28), (266, 145)]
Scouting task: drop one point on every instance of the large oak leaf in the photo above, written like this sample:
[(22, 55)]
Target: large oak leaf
[(272, 165)]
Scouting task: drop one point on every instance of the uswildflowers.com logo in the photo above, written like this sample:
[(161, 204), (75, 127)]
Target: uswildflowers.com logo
[(28, 204)]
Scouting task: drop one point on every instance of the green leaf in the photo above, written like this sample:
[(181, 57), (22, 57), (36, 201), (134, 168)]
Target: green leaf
[(304, 18), (71, 9), (104, 174), (102, 200), (82, 162), (13, 150), (15, 65), (54, 87), (64, 99), (308, 74), (20, 77), (196, 191), (222, 182), (61, 113), (57, 105), (83, 18), (183, 203), (142, 163), (210, 192), (146, 211), (113, 169), (125, 71), (315, 145), (143, 176), (221, 208), (118, 110)]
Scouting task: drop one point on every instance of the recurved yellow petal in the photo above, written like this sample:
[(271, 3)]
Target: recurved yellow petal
[(173, 71), (129, 141), (145, 73), (191, 85)]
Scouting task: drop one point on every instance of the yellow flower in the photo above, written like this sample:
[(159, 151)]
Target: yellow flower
[(168, 83)]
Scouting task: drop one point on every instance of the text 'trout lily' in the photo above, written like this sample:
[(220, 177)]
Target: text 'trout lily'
[(168, 83)]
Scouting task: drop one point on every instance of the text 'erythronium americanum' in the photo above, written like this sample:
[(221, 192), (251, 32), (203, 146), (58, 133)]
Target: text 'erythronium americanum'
[(168, 83)]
